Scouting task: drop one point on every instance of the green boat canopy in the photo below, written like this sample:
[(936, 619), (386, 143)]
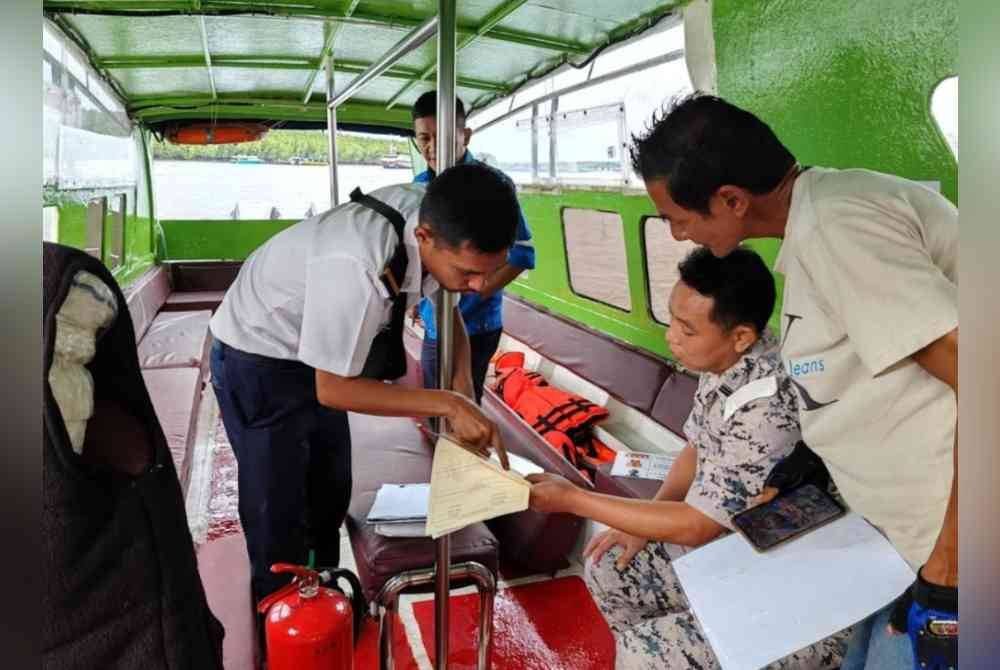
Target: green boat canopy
[(172, 60)]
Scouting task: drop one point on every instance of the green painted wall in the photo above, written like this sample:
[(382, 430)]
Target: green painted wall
[(845, 83), (217, 239), (548, 284)]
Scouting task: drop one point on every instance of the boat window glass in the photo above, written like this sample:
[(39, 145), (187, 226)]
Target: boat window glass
[(663, 253), (88, 141), (285, 175), (507, 146), (944, 109), (595, 153), (114, 252), (595, 253), (97, 210)]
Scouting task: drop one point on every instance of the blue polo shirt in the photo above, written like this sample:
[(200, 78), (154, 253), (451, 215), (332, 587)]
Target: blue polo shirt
[(481, 315)]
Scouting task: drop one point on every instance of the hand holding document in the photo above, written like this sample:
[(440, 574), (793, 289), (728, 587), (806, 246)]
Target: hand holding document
[(466, 488)]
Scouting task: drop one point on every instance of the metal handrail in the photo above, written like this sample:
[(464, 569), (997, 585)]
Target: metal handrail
[(413, 40), (620, 72)]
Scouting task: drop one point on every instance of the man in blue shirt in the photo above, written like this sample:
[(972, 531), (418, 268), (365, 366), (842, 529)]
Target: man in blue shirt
[(482, 311)]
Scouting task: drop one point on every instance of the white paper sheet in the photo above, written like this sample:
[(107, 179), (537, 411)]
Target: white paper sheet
[(518, 464), (466, 488), (756, 607), (641, 465), (400, 503)]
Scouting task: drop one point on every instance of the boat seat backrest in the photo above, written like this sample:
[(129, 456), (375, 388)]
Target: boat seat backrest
[(630, 375)]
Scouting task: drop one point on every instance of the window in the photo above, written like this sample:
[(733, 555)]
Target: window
[(96, 212), (115, 223), (595, 252), (663, 253), (944, 109)]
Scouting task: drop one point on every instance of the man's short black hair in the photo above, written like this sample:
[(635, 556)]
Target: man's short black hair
[(472, 203), (427, 105), (740, 286), (701, 142)]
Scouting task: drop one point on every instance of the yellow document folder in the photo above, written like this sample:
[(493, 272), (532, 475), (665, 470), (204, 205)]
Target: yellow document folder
[(466, 489)]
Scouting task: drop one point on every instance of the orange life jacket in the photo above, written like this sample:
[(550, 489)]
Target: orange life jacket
[(563, 419)]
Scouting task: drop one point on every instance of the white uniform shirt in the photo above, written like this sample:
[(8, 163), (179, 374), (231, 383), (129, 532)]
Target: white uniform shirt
[(870, 265), (312, 292)]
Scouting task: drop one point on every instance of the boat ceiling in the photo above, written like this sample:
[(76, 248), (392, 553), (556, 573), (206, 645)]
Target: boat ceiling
[(234, 59)]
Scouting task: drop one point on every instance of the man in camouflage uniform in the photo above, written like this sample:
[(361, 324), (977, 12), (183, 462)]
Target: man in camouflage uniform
[(743, 422)]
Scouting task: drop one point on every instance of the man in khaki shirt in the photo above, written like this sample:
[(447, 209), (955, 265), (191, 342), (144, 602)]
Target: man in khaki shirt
[(869, 321)]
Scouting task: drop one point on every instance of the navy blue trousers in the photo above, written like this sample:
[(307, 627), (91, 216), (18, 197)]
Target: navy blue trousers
[(482, 345), (294, 461)]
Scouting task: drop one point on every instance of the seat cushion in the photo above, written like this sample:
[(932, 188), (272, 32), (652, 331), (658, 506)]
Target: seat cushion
[(145, 297), (175, 340), (187, 301), (674, 401), (175, 393), (392, 451)]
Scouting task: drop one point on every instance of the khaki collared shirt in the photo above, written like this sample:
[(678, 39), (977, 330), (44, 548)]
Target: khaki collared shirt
[(871, 277), (742, 423)]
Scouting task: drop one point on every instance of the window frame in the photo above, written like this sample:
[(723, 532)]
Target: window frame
[(643, 221), (115, 219)]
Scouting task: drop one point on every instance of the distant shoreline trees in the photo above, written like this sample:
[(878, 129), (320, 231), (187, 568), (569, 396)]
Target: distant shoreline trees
[(284, 146)]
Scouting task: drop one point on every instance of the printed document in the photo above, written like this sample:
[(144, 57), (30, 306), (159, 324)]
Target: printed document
[(756, 608), (466, 488), (642, 466)]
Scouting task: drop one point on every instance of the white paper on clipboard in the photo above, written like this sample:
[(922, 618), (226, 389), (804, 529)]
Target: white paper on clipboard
[(756, 608)]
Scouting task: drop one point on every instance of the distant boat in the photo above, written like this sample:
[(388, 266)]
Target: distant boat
[(246, 159), (401, 161)]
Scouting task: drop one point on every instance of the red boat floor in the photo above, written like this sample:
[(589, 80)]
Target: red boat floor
[(540, 622)]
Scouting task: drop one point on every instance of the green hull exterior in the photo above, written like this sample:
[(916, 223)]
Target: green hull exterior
[(847, 84)]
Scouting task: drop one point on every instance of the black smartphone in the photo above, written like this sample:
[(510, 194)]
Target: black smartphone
[(789, 515)]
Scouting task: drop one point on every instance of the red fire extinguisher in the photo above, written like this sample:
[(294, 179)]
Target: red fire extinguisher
[(309, 626)]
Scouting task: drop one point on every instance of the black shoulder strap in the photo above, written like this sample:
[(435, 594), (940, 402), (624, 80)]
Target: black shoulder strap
[(395, 271)]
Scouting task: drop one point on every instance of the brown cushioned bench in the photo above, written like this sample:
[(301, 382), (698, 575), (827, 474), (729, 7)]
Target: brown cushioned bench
[(392, 450), (199, 285), (173, 354)]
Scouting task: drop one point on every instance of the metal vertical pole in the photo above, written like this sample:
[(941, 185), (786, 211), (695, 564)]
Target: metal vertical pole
[(534, 143), (446, 300), (331, 129), (622, 131), (553, 142)]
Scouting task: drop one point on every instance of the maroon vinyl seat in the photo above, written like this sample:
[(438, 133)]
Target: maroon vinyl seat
[(175, 393), (176, 340), (392, 450), (145, 297), (674, 401), (173, 351), (188, 301)]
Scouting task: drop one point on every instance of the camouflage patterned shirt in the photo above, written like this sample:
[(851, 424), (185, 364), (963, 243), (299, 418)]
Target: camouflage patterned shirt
[(742, 423)]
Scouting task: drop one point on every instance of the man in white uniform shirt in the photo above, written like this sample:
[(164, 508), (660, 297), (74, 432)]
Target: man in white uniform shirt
[(869, 325), (313, 324)]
